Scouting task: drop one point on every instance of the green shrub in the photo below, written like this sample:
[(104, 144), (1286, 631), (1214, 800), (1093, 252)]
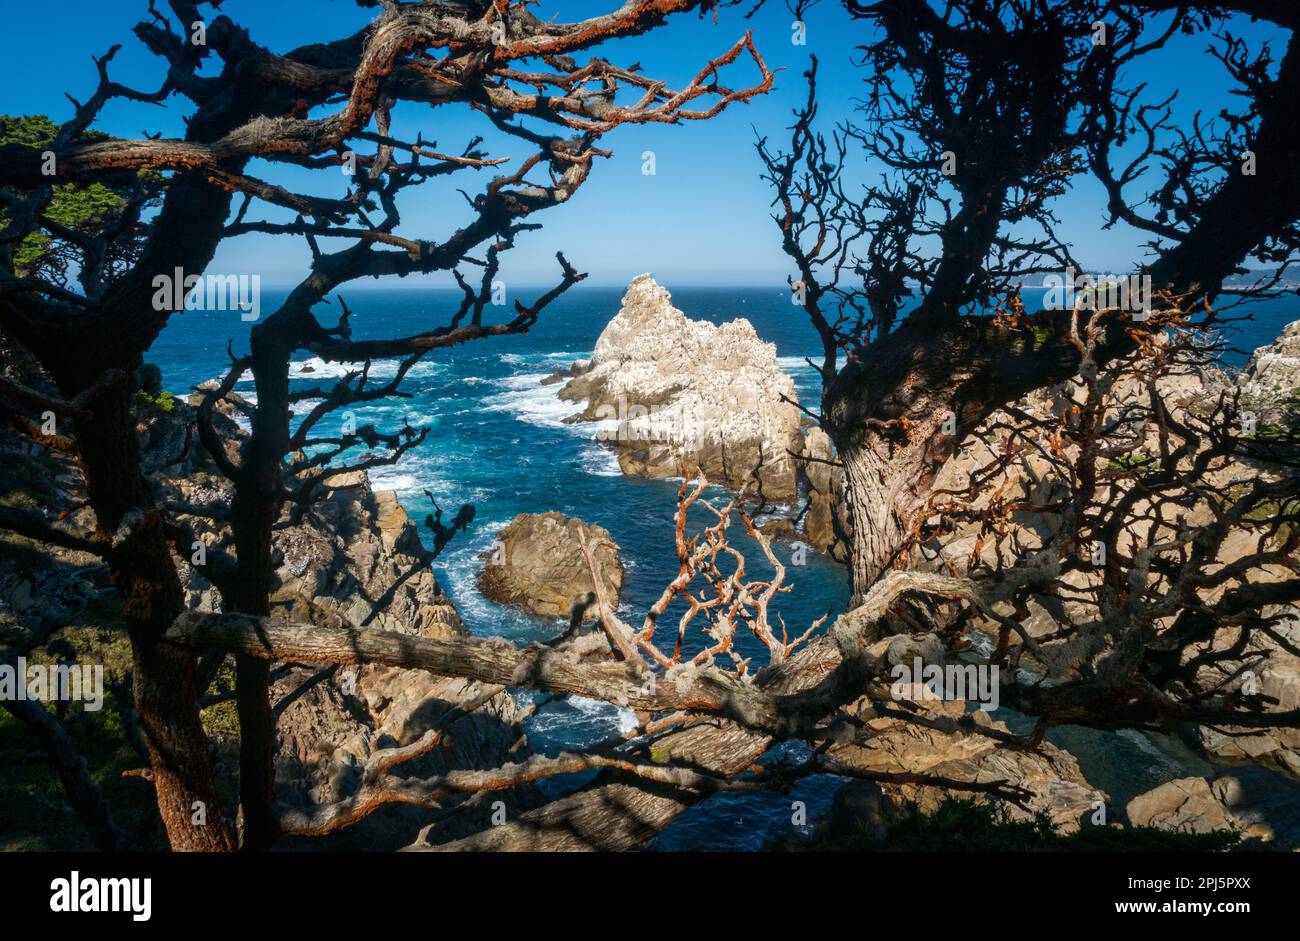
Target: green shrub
[(163, 400)]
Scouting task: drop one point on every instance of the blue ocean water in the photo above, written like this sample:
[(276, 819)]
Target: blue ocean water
[(498, 441)]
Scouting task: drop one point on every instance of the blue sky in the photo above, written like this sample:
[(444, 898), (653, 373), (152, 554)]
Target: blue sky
[(703, 218)]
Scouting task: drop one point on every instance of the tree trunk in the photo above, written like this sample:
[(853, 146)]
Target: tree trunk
[(885, 487), (254, 512), (899, 413), (183, 772), (252, 522)]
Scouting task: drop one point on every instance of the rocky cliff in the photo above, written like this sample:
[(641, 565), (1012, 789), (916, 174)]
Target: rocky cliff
[(1272, 377), (1272, 370), (1052, 776), (356, 557), (686, 394)]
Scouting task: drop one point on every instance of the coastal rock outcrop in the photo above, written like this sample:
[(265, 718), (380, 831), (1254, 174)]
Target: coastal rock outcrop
[(686, 394), (1052, 775), (1274, 670), (825, 519), (538, 564), (1275, 673), (1271, 379), (355, 559), (1186, 805), (1257, 803)]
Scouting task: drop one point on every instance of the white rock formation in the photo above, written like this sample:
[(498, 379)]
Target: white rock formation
[(1273, 374), (688, 394)]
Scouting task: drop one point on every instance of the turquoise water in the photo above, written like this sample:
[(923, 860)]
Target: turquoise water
[(498, 442)]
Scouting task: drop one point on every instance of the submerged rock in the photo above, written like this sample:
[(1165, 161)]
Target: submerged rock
[(538, 565), (687, 394)]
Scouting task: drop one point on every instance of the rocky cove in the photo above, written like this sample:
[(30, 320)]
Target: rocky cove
[(681, 376), (358, 557)]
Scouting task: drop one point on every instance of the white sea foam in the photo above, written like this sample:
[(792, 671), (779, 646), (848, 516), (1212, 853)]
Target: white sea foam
[(531, 402), (599, 709), (622, 719), (475, 610), (317, 368), (413, 475), (599, 461), (394, 478), (523, 381), (1145, 745), (795, 363)]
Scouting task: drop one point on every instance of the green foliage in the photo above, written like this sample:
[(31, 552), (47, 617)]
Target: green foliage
[(74, 206), (1133, 462), (163, 400), (83, 208), (965, 825), (34, 814), (222, 718)]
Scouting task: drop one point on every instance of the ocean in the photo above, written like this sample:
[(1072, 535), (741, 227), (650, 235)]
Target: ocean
[(498, 441)]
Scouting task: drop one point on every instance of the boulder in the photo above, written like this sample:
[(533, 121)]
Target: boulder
[(859, 808), (538, 565), (687, 394), (1258, 803), (1274, 673), (1265, 804), (1186, 805)]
